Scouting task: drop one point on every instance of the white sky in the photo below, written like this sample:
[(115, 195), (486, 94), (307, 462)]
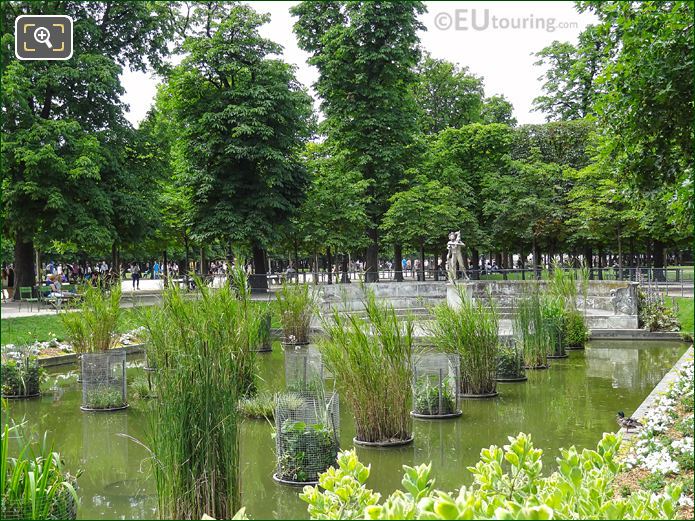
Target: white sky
[(502, 56)]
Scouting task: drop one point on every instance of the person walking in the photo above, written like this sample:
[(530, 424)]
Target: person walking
[(4, 284), (155, 270), (135, 275), (10, 282)]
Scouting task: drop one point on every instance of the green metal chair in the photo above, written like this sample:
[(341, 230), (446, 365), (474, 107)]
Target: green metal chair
[(25, 295)]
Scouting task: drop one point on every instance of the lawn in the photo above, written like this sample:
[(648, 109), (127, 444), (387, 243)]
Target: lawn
[(27, 330), (685, 313)]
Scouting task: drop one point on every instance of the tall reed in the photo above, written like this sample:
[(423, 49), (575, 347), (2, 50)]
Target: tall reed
[(296, 304), (92, 328), (34, 484), (471, 330), (531, 330), (371, 358), (565, 286), (205, 363)]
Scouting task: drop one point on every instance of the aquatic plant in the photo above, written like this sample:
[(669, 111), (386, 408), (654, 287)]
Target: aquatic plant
[(21, 377), (371, 359), (34, 484), (103, 398), (575, 331), (92, 328), (510, 362), (531, 331), (471, 331), (296, 303), (205, 363), (553, 311), (432, 399), (260, 406)]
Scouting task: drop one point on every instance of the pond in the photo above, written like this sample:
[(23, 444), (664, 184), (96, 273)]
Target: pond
[(572, 403)]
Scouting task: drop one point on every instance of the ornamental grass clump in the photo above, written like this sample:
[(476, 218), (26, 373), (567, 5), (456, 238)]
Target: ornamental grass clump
[(92, 329), (296, 304), (531, 331), (471, 331), (204, 353), (553, 311), (565, 286), (34, 484), (371, 359)]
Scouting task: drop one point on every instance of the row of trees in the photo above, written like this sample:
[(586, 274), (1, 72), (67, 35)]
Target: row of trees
[(231, 155)]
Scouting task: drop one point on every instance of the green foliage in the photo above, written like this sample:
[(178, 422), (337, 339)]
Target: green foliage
[(241, 120), (296, 304), (432, 399), (21, 377), (260, 406), (507, 484), (104, 397), (140, 388), (510, 361), (92, 329), (372, 361), (565, 143), (446, 95), (307, 450), (497, 109), (33, 483), (531, 331), (470, 331), (575, 332), (553, 312), (654, 314)]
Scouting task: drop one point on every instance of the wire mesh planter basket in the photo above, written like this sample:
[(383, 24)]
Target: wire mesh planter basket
[(62, 505), (304, 369), (436, 380), (510, 362), (307, 433), (21, 376), (104, 381)]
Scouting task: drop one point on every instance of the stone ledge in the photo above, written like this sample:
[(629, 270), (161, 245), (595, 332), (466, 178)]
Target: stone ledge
[(633, 334)]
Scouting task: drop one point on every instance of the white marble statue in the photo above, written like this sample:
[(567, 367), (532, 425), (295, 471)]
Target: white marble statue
[(454, 257)]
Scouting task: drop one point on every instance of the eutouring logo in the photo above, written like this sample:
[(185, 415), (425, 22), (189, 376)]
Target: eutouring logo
[(482, 20)]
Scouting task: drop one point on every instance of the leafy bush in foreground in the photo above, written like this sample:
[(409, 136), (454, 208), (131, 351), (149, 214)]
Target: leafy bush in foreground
[(508, 484)]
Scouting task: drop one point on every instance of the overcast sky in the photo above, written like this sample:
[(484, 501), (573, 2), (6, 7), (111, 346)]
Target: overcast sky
[(494, 40)]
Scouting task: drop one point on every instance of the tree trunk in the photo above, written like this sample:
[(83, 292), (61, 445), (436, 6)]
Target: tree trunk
[(536, 253), (499, 259), (620, 255), (344, 275), (658, 253), (436, 266), (114, 258), (259, 280), (475, 264), (329, 269), (203, 262), (372, 257), (23, 265), (600, 265), (589, 261), (422, 261), (187, 264), (398, 262), (166, 268)]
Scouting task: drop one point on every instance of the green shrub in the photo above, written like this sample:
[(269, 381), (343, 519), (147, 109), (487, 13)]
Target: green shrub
[(140, 388), (507, 484), (654, 314), (510, 361), (575, 331), (21, 377)]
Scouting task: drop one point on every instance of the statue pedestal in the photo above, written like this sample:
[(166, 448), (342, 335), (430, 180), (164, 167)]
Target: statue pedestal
[(453, 299)]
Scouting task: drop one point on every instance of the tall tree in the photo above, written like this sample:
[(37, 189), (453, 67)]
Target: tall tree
[(570, 77), (446, 94), (497, 109), (243, 120), (366, 53), (60, 119)]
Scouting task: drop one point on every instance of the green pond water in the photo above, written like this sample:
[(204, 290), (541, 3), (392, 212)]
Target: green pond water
[(572, 403)]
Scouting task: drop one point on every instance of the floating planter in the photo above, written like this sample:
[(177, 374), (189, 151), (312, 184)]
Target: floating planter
[(303, 368), (104, 381), (510, 363), (436, 381), (306, 436), (21, 376)]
